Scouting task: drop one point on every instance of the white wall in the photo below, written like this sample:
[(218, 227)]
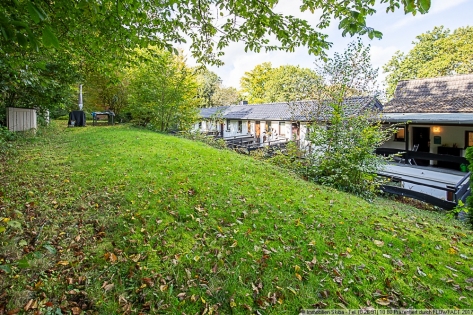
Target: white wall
[(233, 132), (449, 135), (21, 119)]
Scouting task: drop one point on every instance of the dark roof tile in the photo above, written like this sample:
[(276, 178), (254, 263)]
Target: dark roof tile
[(297, 111), (451, 94)]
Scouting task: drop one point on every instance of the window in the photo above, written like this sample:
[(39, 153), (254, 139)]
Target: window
[(400, 134), (240, 126), (249, 126), (228, 124), (200, 125), (268, 126), (282, 128), (468, 139)]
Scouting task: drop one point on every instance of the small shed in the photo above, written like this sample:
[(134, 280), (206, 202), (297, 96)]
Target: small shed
[(21, 119)]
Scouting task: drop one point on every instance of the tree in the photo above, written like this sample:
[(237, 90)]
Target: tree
[(208, 84), (32, 80), (94, 27), (96, 35), (162, 90), (344, 155), (107, 93), (265, 84), (435, 53), (225, 96), (290, 83), (253, 83)]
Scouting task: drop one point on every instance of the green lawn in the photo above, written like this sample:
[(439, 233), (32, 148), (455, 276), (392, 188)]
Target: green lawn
[(110, 220)]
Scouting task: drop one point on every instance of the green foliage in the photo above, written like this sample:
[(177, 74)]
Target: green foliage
[(6, 136), (212, 141), (342, 151), (162, 91), (291, 158), (253, 83), (208, 83), (343, 155), (224, 96), (106, 92), (265, 84), (108, 27), (436, 53), (30, 80)]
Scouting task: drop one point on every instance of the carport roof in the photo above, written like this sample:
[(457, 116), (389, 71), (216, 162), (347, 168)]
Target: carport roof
[(429, 118)]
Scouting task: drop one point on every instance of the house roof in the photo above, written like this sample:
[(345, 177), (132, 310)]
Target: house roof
[(294, 111), (450, 94)]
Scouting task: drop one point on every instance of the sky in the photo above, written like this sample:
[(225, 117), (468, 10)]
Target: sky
[(399, 31)]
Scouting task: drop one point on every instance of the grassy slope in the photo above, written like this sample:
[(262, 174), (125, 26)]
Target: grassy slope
[(115, 219)]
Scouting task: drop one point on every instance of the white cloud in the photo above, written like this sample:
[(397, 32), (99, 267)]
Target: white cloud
[(399, 32), (440, 6), (437, 6)]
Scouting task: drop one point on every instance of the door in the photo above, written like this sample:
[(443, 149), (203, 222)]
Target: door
[(421, 137), (258, 131), (296, 131), (221, 130)]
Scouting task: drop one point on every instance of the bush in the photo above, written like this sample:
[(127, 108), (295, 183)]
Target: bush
[(6, 137), (345, 156), (291, 158), (218, 143)]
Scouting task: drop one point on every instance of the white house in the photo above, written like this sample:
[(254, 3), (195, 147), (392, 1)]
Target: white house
[(436, 114), (274, 121)]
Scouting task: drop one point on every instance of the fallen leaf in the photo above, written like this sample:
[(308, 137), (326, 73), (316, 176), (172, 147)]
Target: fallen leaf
[(378, 243), (108, 287), (63, 262), (28, 305), (420, 272), (292, 290), (451, 251), (76, 310), (148, 281), (111, 257), (383, 301)]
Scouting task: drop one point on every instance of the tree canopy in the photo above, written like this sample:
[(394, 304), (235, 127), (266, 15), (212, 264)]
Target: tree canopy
[(208, 84), (210, 24), (265, 84), (162, 90), (436, 53)]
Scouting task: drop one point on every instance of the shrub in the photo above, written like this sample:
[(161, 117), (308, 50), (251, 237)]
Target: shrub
[(218, 143), (6, 137)]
